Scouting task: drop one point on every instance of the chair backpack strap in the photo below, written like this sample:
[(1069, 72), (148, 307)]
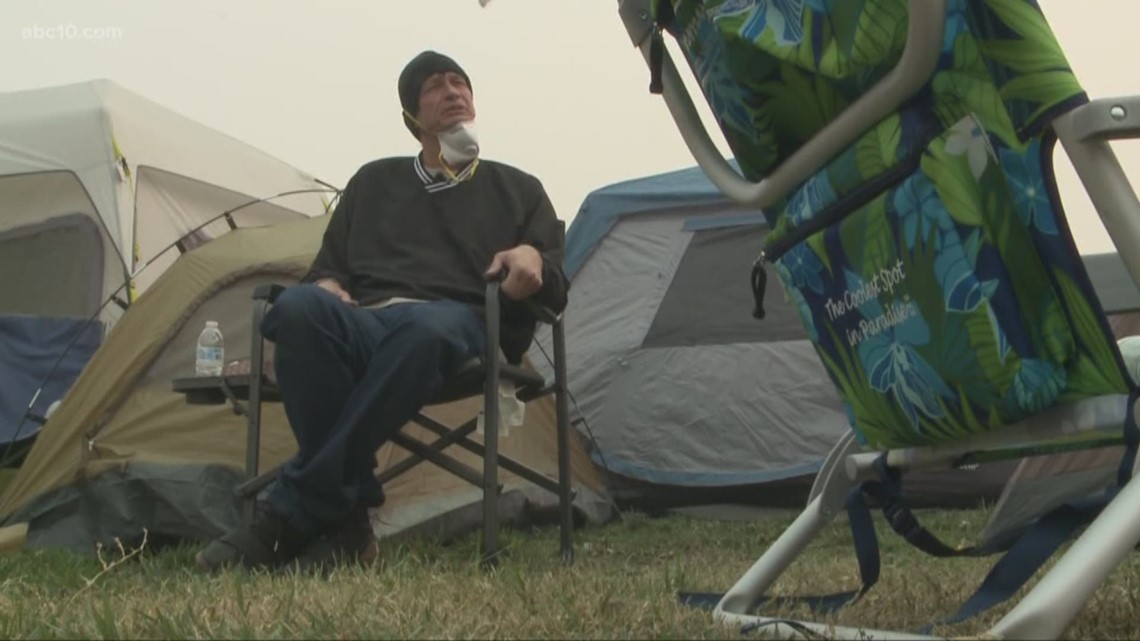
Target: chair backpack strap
[(1023, 559), (866, 552), (887, 492), (1023, 556)]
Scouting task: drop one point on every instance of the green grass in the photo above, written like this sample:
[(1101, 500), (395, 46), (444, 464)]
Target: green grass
[(623, 585)]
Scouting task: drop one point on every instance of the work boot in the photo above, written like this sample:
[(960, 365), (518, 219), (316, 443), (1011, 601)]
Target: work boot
[(269, 542), (351, 541)]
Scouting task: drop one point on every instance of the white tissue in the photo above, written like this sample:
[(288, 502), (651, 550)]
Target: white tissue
[(511, 410)]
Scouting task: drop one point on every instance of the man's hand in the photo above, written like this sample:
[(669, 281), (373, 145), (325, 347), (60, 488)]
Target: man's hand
[(330, 285), (524, 271)]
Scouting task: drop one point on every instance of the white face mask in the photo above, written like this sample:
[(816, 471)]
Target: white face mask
[(460, 144)]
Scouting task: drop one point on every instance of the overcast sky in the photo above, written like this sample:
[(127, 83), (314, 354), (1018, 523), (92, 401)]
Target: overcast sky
[(560, 92)]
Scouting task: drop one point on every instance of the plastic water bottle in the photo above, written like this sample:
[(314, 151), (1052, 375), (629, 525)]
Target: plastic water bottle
[(211, 351)]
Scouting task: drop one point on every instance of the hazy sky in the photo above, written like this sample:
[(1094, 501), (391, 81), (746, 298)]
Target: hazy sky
[(560, 92)]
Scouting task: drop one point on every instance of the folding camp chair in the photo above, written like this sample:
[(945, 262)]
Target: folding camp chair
[(901, 152), (480, 375)]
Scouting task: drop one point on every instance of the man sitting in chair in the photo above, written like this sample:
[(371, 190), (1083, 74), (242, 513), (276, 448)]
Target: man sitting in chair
[(392, 306)]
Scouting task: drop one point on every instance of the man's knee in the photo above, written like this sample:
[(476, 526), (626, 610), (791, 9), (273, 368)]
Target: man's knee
[(297, 309)]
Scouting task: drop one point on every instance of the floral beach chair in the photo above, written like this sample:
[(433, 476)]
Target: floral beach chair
[(901, 153)]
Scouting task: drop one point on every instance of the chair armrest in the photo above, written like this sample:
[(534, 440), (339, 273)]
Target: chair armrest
[(268, 292), (926, 22), (492, 297), (1108, 119), (541, 312)]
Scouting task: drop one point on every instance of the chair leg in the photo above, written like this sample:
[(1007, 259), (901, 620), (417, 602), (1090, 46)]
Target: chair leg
[(565, 499), (249, 489), (748, 590), (1050, 606), (433, 455), (448, 435), (253, 415), (827, 501), (491, 431)]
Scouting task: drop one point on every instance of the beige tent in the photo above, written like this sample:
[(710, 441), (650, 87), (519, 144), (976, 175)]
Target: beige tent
[(124, 452), (134, 176)]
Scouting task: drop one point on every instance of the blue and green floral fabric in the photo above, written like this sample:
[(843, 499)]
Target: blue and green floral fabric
[(929, 261)]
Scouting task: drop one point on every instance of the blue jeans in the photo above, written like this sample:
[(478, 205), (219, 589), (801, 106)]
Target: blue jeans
[(349, 379)]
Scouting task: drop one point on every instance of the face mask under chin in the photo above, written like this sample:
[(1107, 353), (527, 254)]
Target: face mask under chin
[(459, 145)]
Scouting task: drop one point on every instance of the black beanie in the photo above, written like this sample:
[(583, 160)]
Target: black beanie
[(412, 80)]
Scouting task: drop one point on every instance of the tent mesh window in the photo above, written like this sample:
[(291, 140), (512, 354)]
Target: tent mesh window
[(710, 301), (54, 267)]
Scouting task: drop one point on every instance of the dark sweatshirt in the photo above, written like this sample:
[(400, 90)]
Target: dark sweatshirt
[(399, 232)]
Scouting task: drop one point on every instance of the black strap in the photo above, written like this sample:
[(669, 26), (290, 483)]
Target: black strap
[(1131, 444), (887, 492), (1028, 552), (1023, 559), (1036, 546)]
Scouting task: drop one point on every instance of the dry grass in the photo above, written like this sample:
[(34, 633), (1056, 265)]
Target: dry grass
[(623, 585)]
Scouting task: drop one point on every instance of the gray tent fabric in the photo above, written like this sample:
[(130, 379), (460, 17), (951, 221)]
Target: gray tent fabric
[(719, 415), (709, 277), (60, 264), (676, 382), (686, 188)]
